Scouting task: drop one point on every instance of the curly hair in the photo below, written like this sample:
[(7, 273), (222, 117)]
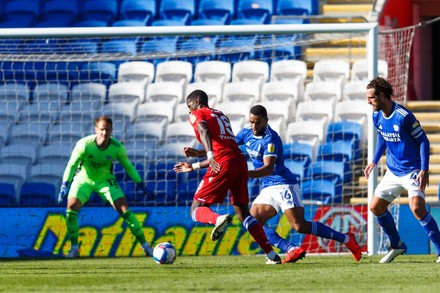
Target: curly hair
[(198, 94), (380, 85)]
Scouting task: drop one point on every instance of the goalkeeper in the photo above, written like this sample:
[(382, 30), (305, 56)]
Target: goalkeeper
[(93, 157)]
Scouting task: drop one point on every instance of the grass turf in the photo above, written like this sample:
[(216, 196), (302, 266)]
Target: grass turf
[(408, 273)]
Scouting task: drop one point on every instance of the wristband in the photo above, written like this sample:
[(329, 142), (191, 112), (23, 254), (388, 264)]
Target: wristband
[(196, 166), (209, 155)]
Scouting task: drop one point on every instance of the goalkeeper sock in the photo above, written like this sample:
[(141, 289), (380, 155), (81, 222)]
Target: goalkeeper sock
[(257, 232), (430, 225), (204, 215), (134, 226), (276, 240), (386, 221), (72, 226), (324, 231)]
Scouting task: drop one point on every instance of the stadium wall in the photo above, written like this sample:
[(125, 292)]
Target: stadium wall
[(41, 232)]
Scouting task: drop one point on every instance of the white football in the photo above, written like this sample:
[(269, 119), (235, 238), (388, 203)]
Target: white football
[(164, 253)]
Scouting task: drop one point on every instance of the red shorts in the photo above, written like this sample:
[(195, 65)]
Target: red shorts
[(233, 177)]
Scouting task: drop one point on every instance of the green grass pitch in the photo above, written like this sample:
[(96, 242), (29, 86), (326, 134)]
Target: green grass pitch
[(408, 273)]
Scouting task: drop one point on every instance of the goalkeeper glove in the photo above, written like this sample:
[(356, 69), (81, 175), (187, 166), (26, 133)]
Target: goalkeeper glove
[(64, 190), (143, 187)]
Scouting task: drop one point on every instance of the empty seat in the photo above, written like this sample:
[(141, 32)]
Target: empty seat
[(122, 115), (136, 71), (9, 111), (279, 115), (323, 91), (356, 111), (58, 13), (14, 92), (196, 49), (165, 91), (212, 89), (159, 112), (56, 153), (297, 168), (145, 131), (4, 132), (105, 11), (213, 71), (258, 11), (234, 49), (88, 92), (309, 132), (241, 92), (37, 194), (7, 194), (250, 71), (298, 7), (34, 132), (78, 110), (298, 151), (332, 170), (70, 131), (20, 14), (355, 91), (293, 71), (281, 94), (179, 132), (123, 92), (122, 48), (19, 153), (315, 111), (177, 10), (332, 70), (144, 10), (220, 10), (100, 72), (174, 71), (340, 151), (15, 174), (182, 112), (321, 191), (51, 173), (359, 70), (158, 50)]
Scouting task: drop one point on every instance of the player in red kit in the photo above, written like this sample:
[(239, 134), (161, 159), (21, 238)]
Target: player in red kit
[(227, 171)]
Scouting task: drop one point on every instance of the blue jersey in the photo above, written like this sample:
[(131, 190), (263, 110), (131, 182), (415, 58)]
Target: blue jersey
[(403, 136), (269, 144)]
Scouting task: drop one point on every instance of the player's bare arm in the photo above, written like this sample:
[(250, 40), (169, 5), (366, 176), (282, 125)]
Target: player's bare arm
[(368, 169), (192, 152), (423, 179), (206, 139)]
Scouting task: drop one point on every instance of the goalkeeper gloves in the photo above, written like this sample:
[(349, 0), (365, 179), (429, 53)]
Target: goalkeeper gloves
[(64, 190), (143, 187)]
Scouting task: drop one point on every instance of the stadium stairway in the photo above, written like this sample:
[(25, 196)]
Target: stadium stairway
[(428, 113)]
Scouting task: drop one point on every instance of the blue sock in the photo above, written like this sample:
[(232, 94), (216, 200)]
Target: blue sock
[(324, 231), (386, 221), (430, 225), (276, 240)]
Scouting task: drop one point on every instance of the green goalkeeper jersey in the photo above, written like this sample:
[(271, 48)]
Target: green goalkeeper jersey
[(96, 164)]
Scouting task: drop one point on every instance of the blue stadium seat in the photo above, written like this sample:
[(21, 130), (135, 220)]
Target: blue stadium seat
[(220, 11), (100, 72), (347, 131), (340, 150), (163, 181), (90, 23), (141, 10), (299, 152), (298, 7), (21, 14), (245, 47), (58, 13), (7, 194), (325, 191), (128, 22), (105, 11), (122, 47), (197, 50), (335, 171), (61, 72), (258, 11), (177, 10), (37, 194), (298, 168), (161, 49)]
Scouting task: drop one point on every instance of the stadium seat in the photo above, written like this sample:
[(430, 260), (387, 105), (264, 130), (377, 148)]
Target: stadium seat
[(35, 132), (37, 194), (347, 131), (315, 111), (20, 14), (122, 114), (236, 92), (321, 191), (56, 153), (15, 174), (142, 151), (100, 72), (281, 94), (196, 49), (137, 71), (177, 10), (298, 7), (323, 91), (51, 173), (65, 72), (4, 132), (159, 50), (143, 10), (90, 23), (105, 11), (298, 151), (69, 130), (181, 114), (7, 194), (124, 47), (179, 72), (179, 132), (20, 72), (293, 71), (145, 131), (58, 13), (159, 112), (124, 92), (9, 111), (310, 132), (355, 91), (359, 70), (212, 89), (331, 70), (174, 150), (298, 168), (213, 71), (335, 171), (162, 180), (165, 91), (250, 71), (19, 153), (88, 91), (355, 111), (220, 10), (279, 115), (340, 151), (258, 11), (14, 92), (234, 49)]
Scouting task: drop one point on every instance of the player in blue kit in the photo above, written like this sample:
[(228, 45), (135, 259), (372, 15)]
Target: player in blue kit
[(408, 166), (280, 189)]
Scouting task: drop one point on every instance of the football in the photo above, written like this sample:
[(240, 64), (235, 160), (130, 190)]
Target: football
[(164, 253)]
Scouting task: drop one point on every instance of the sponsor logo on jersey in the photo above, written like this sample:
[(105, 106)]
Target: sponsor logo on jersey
[(271, 147), (416, 124), (396, 127)]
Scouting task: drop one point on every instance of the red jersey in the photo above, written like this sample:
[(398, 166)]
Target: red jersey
[(223, 138)]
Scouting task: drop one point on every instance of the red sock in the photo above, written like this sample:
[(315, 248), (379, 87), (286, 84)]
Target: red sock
[(205, 215), (257, 232)]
